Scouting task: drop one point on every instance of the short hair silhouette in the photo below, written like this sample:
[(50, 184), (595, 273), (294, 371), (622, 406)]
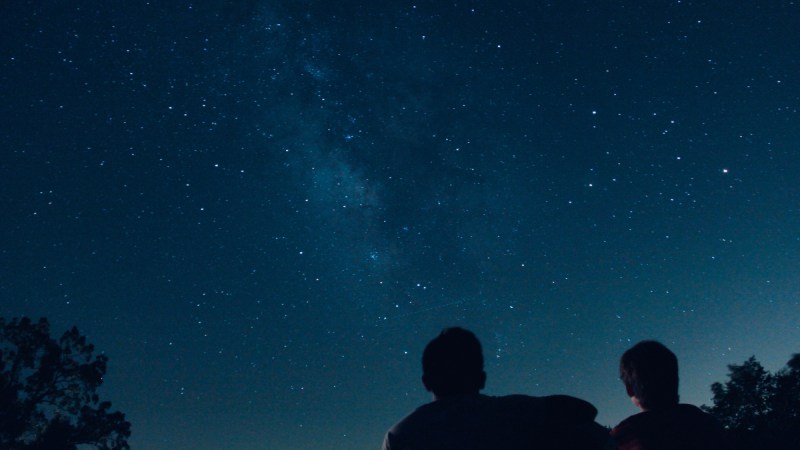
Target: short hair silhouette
[(452, 363), (650, 373)]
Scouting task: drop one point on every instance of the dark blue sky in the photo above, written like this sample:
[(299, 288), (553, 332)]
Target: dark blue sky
[(262, 211)]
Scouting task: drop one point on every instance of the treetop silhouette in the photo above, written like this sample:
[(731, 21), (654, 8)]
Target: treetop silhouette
[(760, 408), (48, 387)]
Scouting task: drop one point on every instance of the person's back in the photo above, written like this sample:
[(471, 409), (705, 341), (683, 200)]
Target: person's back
[(462, 418), (481, 422), (682, 426), (467, 422)]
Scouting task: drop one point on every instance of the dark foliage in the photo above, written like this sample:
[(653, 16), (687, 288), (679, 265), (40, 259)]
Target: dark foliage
[(48, 390), (760, 409)]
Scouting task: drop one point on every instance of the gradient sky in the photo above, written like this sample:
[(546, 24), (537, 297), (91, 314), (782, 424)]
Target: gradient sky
[(261, 211)]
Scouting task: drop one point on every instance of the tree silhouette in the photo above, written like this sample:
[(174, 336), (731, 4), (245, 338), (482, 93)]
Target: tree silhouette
[(785, 417), (48, 397), (760, 409), (743, 403)]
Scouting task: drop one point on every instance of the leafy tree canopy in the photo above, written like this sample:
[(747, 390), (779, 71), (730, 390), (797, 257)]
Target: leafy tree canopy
[(743, 402), (762, 409), (48, 387)]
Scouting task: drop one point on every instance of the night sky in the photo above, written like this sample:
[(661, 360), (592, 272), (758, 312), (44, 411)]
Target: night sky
[(261, 211)]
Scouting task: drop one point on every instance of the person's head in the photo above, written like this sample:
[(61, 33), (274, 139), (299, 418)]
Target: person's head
[(452, 364), (650, 373)]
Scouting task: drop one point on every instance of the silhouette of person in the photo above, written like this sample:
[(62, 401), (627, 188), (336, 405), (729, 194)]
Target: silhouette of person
[(649, 371), (459, 417)]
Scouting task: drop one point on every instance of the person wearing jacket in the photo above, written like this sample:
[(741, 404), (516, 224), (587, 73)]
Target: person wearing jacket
[(460, 417)]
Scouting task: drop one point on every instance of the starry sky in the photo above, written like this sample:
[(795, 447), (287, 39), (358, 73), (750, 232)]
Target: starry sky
[(262, 210)]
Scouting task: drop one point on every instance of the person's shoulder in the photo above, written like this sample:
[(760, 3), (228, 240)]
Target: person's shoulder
[(420, 414), (686, 409), (635, 425), (643, 416), (686, 415), (409, 426), (695, 418), (630, 431)]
